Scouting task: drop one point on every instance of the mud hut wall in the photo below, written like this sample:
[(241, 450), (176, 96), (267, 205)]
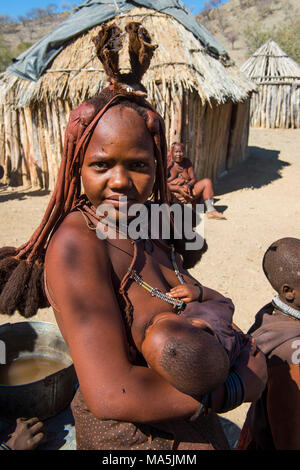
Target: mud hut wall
[(239, 134), (5, 157), (35, 151), (25, 147), (2, 136), (12, 159), (276, 106), (217, 136), (207, 133)]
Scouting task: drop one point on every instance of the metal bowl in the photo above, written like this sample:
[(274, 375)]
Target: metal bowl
[(46, 397)]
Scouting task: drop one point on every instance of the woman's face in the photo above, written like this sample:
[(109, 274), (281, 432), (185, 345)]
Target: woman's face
[(119, 160), (177, 153)]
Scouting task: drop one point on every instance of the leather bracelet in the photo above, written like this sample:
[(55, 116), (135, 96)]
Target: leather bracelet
[(200, 297), (4, 446)]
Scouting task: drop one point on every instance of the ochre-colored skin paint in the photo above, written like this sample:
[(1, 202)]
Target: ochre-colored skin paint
[(28, 369)]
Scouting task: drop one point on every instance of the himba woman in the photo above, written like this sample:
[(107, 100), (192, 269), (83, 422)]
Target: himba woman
[(115, 144), (183, 185)]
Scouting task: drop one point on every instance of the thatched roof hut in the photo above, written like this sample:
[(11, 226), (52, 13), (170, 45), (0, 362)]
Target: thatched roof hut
[(277, 103), (203, 98)]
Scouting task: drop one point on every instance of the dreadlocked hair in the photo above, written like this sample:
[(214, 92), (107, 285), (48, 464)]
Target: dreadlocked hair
[(21, 269), (108, 44)]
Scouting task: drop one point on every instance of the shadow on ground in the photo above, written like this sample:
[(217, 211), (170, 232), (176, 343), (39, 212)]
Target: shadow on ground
[(60, 432), (8, 195), (261, 168), (231, 430)]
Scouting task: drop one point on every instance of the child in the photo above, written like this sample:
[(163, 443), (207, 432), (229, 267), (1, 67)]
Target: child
[(272, 422), (193, 350), (183, 184)]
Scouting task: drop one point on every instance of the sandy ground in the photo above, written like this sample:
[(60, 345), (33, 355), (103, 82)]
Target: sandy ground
[(260, 199)]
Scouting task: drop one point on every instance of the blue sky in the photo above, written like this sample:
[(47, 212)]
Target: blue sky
[(21, 7)]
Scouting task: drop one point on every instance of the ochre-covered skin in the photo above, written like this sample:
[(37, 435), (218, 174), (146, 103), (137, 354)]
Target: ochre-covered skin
[(114, 146), (182, 182), (85, 273)]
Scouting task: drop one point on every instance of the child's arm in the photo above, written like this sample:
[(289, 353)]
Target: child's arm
[(193, 292), (186, 292)]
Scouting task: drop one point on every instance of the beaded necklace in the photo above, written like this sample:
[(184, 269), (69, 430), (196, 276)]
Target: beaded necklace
[(284, 308), (178, 305)]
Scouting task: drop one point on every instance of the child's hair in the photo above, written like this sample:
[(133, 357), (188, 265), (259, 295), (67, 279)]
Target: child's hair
[(21, 269), (281, 262), (197, 364)]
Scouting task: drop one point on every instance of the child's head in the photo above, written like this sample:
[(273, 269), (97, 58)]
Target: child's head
[(186, 353), (281, 265)]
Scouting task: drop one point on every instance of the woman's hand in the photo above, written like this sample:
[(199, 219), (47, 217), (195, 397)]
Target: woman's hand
[(178, 181), (185, 192)]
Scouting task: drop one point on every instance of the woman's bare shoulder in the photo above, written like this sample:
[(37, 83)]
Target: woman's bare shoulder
[(74, 239)]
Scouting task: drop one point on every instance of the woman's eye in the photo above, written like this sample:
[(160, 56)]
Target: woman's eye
[(139, 165), (100, 165)]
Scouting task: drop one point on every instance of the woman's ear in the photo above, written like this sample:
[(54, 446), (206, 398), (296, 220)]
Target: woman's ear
[(287, 292)]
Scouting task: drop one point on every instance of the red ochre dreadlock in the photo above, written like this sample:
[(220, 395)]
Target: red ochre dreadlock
[(21, 269)]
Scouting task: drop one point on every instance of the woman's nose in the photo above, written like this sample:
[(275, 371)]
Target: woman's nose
[(119, 179)]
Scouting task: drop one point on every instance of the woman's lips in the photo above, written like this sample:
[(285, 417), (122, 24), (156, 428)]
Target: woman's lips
[(118, 202)]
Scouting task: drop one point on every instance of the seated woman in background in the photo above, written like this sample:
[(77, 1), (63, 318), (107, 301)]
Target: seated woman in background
[(183, 185)]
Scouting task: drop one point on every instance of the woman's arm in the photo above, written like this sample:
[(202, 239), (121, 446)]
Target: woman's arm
[(78, 273), (283, 405), (191, 174), (251, 365)]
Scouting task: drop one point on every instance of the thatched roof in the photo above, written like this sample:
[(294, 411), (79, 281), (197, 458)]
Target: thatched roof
[(181, 62), (271, 65), (34, 61)]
